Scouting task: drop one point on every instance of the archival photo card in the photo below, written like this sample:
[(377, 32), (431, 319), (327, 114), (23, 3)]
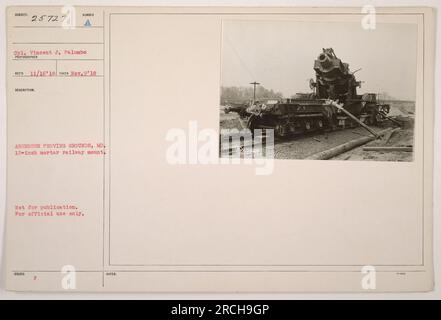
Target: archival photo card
[(166, 149)]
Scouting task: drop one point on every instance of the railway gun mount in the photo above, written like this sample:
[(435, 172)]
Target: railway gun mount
[(333, 103)]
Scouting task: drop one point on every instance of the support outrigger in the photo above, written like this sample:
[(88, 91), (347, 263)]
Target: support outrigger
[(340, 107)]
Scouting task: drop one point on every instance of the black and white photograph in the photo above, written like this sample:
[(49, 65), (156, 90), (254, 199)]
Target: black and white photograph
[(334, 91)]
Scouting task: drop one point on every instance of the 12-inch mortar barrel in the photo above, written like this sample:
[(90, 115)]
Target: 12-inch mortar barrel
[(333, 78)]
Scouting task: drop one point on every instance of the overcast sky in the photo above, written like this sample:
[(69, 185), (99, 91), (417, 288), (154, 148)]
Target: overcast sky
[(281, 54)]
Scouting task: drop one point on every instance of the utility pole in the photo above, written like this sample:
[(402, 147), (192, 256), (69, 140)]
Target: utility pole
[(254, 91)]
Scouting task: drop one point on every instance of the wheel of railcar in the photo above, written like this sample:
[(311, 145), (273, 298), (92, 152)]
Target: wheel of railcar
[(377, 118), (280, 130), (252, 123), (368, 120), (308, 125)]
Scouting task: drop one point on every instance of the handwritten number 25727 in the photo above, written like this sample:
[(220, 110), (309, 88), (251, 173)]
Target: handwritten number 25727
[(47, 18)]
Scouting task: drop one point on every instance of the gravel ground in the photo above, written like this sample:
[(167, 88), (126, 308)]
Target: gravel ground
[(400, 138), (229, 120), (302, 147)]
